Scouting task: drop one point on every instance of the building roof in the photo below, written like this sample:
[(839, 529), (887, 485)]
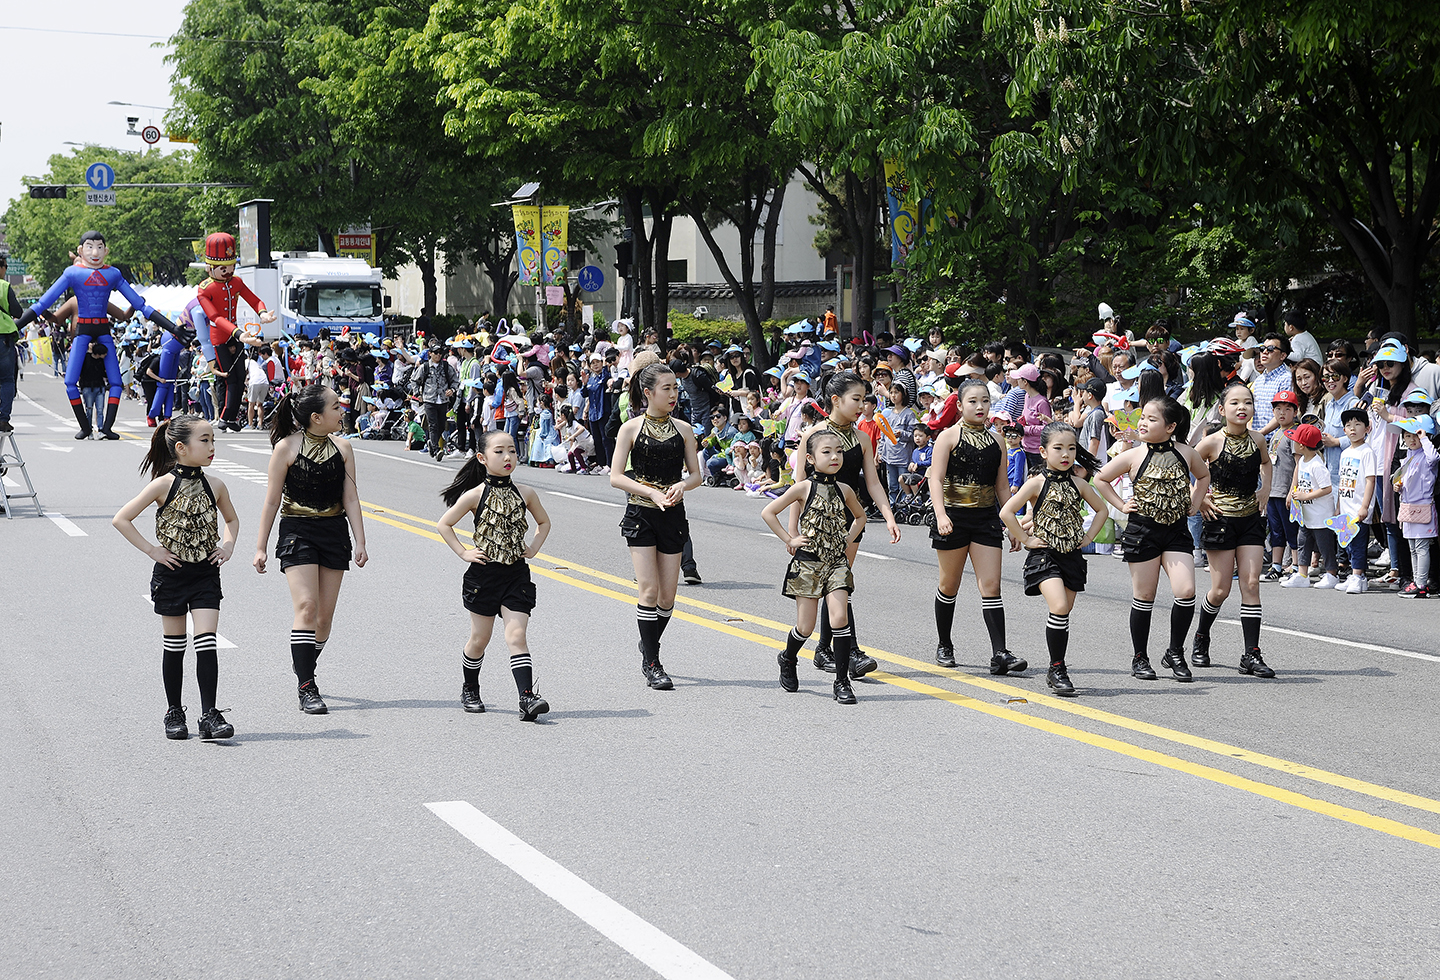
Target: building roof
[(720, 290)]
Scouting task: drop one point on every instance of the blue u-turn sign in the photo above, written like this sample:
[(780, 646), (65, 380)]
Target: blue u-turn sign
[(100, 176)]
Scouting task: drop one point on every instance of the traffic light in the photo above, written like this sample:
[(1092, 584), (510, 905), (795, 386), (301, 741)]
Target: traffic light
[(48, 190), (623, 252)]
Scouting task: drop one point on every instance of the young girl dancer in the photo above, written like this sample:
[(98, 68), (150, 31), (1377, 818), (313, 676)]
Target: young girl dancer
[(968, 485), (655, 462), (312, 486), (820, 569), (845, 394), (1233, 532), (497, 579), (187, 560), (1156, 534), (1054, 566)]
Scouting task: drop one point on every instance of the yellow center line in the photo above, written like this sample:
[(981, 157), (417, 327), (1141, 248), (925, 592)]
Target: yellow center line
[(1095, 714)]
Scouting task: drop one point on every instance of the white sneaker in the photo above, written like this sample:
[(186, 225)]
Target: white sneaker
[(1355, 585), (1201, 561), (1341, 583), (1327, 581), (1384, 559), (1296, 581)]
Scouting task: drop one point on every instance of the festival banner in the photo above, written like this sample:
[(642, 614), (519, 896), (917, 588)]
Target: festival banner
[(905, 212), (527, 242), (555, 239)]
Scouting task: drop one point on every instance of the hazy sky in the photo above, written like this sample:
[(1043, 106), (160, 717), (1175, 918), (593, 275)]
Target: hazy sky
[(58, 84)]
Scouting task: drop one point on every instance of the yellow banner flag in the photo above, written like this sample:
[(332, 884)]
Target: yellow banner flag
[(527, 242), (555, 238)]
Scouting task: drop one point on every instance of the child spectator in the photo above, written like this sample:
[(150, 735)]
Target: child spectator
[(414, 431), (745, 453), (1415, 487), (575, 440), (1356, 491), (1312, 490), (1094, 436), (1014, 457), (896, 455), (920, 460), (1283, 531), (92, 384), (866, 422)]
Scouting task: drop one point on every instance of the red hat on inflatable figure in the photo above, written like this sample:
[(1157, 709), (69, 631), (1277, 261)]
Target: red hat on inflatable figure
[(220, 249)]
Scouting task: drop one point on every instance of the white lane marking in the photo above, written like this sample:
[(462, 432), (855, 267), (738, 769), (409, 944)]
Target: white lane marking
[(57, 449), (602, 913), (403, 459), (60, 428), (54, 415), (65, 524), (246, 449), (1413, 655), (871, 554), (239, 471), (10, 483), (588, 500), (22, 425)]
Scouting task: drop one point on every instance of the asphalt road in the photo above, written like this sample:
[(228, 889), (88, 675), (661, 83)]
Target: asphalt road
[(1232, 827)]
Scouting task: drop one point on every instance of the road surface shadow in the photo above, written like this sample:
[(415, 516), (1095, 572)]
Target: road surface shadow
[(329, 733)]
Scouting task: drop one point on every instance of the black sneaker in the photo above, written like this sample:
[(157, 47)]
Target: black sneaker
[(692, 576), (1058, 680), (175, 723), (212, 725), (470, 699), (310, 701), (532, 706), (1140, 669), (111, 436), (83, 434), (843, 693), (1200, 653), (656, 677), (825, 659), (945, 655), (5, 425), (1175, 660), (861, 663), (1002, 662), (1253, 663), (789, 679)]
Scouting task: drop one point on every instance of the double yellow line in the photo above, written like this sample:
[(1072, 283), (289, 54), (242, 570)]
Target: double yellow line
[(1232, 753)]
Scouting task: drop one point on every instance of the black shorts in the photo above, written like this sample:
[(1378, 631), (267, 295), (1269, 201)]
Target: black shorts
[(323, 541), (650, 527), (1229, 533), (194, 585), (972, 525), (1046, 563), (490, 585), (1144, 539)]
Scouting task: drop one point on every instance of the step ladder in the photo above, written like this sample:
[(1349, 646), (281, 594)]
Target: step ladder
[(12, 461)]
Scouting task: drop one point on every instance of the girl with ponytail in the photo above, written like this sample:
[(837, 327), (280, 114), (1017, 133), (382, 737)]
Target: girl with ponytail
[(655, 462), (312, 487), (188, 556)]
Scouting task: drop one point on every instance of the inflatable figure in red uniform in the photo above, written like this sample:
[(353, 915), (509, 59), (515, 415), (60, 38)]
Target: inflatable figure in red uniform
[(218, 299)]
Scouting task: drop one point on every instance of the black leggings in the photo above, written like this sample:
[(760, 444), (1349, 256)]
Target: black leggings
[(1323, 540), (603, 448), (234, 383)]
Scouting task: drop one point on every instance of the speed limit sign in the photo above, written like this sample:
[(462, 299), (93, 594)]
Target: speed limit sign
[(150, 134)]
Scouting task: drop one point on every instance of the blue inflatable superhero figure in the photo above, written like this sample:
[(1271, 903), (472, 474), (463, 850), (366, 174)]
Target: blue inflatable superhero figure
[(192, 323), (92, 279)]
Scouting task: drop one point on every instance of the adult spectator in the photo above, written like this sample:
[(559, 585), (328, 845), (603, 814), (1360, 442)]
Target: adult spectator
[(899, 360), (1117, 390), (1303, 344), (436, 381), (1272, 375), (10, 311)]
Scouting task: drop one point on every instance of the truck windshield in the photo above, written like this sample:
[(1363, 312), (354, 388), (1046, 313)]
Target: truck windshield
[(350, 302)]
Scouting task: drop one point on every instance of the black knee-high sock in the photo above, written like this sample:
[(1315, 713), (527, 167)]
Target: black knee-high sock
[(1250, 623), (522, 668), (843, 644), (320, 648), (1140, 612), (302, 654), (662, 620), (944, 616), (1057, 638), (471, 668), (1182, 614), (794, 642), (992, 608), (825, 631), (850, 622), (648, 622), (1207, 616), (172, 667), (207, 669)]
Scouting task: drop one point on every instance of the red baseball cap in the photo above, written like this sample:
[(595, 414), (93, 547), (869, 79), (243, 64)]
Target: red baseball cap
[(1288, 398), (1307, 435)]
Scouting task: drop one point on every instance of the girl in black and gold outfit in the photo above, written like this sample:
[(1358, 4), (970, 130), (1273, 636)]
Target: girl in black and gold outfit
[(187, 560), (312, 487), (655, 462), (497, 579), (1054, 566), (968, 485), (844, 396), (1156, 534), (1234, 528), (831, 519)]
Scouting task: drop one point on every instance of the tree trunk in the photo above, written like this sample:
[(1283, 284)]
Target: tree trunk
[(642, 305), (663, 217), (765, 301), (426, 263), (864, 215), (327, 241)]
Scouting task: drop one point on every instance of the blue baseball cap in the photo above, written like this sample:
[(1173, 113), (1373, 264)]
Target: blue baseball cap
[(829, 345), (1417, 397), (773, 372), (1392, 350), (801, 376)]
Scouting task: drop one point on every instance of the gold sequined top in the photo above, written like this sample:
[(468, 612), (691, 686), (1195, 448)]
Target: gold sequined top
[(185, 524), (1235, 477), (315, 482), (826, 519), (972, 469), (1059, 512), (500, 521), (1162, 484), (657, 459)]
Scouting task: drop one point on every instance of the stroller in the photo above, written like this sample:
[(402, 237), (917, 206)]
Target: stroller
[(915, 509), (386, 421)]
